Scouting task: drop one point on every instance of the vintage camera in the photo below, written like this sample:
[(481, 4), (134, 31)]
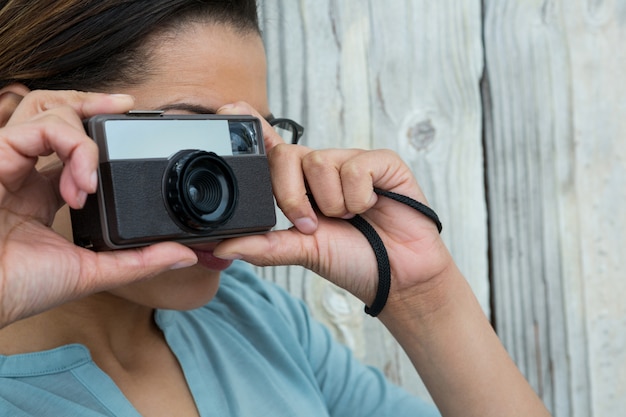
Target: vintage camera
[(184, 178)]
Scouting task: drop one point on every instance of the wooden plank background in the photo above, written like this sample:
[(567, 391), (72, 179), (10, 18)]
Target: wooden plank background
[(556, 146), (512, 115)]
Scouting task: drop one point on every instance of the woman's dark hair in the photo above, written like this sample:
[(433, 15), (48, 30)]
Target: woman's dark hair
[(89, 45)]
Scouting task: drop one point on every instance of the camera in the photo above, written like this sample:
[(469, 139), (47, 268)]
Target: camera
[(184, 178)]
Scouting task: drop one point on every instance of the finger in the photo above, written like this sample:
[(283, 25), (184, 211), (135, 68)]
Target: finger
[(8, 103), (20, 146), (283, 247), (290, 188), (382, 169), (286, 172), (71, 192), (321, 255), (360, 172), (96, 272), (105, 270), (270, 137), (83, 104), (52, 172), (323, 171)]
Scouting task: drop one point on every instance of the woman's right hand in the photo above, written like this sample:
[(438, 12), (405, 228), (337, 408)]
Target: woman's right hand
[(40, 269)]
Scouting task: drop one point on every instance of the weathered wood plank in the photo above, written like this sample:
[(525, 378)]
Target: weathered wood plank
[(402, 75), (557, 167)]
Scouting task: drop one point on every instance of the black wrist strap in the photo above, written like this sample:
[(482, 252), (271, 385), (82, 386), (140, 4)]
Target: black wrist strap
[(382, 259)]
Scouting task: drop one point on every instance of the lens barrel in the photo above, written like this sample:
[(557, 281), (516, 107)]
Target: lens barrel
[(200, 190)]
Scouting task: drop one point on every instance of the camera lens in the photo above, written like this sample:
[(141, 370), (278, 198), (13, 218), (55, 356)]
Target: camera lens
[(242, 138), (200, 190), (204, 190)]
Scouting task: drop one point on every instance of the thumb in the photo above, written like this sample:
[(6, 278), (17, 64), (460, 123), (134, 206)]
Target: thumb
[(114, 268), (282, 247)]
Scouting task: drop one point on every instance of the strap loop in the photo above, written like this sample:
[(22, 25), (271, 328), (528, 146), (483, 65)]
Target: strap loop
[(382, 259)]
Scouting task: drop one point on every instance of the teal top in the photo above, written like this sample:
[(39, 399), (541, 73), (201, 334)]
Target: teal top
[(252, 351)]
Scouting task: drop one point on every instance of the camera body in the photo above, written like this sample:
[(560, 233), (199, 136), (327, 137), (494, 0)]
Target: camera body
[(184, 178)]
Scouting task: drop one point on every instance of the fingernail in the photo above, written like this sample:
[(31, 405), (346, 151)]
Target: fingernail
[(93, 181), (81, 197), (373, 199), (305, 224), (122, 100), (227, 107), (184, 264), (122, 97), (229, 256), (233, 108)]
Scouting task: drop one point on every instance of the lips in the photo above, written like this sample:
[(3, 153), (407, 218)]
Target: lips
[(207, 260)]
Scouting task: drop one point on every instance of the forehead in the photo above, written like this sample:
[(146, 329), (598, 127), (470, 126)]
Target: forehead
[(207, 65)]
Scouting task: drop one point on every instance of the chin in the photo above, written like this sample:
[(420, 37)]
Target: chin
[(182, 289)]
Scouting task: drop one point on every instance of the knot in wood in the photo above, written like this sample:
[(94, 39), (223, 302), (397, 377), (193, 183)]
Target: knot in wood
[(421, 135)]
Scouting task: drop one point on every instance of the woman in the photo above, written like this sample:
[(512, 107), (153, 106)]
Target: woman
[(169, 329)]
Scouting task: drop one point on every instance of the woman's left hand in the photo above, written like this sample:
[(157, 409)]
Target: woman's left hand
[(431, 310), (342, 182)]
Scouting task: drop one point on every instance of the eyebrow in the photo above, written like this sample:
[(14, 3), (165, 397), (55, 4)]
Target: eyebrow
[(199, 109), (192, 108)]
